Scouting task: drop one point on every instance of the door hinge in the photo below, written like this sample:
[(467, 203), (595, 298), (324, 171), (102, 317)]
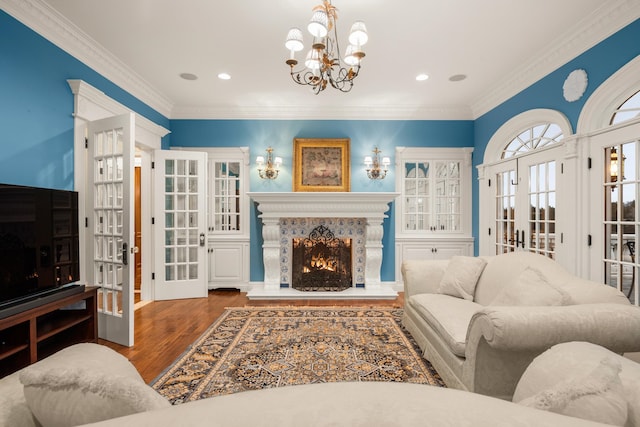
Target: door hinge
[(153, 165), (86, 222), (153, 220), (489, 181), (561, 237), (489, 231), (153, 276), (589, 240), (588, 162), (86, 142), (561, 168)]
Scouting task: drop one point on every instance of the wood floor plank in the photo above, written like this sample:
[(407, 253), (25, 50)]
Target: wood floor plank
[(165, 329)]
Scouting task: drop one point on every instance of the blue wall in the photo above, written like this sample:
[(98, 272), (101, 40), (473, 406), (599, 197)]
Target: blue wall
[(364, 135), (36, 106)]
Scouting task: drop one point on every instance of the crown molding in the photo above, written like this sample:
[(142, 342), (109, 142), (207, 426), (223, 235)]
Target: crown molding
[(601, 24), (44, 20), (388, 112), (50, 24)]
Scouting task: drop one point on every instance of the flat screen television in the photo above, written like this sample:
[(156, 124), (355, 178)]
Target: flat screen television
[(39, 245)]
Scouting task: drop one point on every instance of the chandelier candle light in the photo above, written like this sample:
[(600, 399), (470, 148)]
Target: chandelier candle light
[(272, 168), (323, 63), (373, 165)]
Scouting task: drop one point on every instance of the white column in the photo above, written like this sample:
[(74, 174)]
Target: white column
[(373, 251), (271, 253)]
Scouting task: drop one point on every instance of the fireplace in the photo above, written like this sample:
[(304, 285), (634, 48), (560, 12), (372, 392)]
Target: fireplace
[(321, 261), (357, 217)]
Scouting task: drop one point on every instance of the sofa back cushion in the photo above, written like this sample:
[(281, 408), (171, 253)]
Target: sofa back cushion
[(502, 270), (532, 287)]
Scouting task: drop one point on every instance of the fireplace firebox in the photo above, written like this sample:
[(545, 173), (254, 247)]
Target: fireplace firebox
[(321, 262)]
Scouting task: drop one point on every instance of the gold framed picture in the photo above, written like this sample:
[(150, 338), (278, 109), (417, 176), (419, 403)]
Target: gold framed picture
[(321, 164)]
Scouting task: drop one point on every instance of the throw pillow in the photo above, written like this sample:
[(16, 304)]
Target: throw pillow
[(461, 276), (532, 288), (86, 383), (598, 396)]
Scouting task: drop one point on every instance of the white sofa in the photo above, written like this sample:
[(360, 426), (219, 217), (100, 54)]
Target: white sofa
[(111, 394), (481, 320)]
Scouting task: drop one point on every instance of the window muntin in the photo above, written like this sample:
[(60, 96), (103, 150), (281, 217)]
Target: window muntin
[(630, 109), (532, 139)]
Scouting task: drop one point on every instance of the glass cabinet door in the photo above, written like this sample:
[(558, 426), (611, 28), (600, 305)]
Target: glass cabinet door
[(431, 199), (417, 210), (225, 212), (447, 196)]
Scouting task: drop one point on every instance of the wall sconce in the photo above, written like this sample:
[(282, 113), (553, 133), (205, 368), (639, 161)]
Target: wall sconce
[(616, 165), (373, 165), (613, 166), (272, 167)]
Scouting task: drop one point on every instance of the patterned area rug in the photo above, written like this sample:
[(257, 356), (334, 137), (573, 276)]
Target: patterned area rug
[(254, 348)]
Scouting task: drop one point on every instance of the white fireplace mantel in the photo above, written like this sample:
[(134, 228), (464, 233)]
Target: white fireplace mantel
[(370, 206)]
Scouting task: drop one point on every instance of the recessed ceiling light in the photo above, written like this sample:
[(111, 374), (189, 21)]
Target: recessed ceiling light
[(422, 77), (457, 77), (189, 76), (224, 76)]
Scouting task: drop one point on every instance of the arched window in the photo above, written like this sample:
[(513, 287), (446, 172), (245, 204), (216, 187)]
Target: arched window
[(630, 109), (532, 139)]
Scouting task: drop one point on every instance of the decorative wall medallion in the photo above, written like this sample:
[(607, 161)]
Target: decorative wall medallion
[(574, 85)]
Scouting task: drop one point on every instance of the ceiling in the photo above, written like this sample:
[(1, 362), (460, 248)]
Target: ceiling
[(502, 46)]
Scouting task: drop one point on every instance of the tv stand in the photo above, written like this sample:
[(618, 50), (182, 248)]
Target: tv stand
[(38, 332)]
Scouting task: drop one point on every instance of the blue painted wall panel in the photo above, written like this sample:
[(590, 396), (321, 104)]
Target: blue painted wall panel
[(36, 107)]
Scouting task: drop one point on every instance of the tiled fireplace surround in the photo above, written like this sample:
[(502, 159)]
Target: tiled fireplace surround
[(358, 216)]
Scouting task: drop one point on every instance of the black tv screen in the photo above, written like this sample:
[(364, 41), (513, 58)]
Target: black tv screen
[(38, 241)]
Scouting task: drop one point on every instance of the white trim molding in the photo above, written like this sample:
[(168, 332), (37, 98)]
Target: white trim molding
[(603, 102)]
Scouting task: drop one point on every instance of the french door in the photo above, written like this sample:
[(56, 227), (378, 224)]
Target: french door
[(525, 200), (615, 217), (110, 225), (180, 212)]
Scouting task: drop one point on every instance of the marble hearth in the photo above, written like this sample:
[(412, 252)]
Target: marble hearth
[(354, 215)]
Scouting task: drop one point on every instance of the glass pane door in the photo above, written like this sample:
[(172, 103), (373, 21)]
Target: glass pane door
[(541, 194), (180, 213), (110, 201), (505, 212), (621, 225)]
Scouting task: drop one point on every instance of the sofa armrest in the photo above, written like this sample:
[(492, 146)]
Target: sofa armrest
[(614, 326), (422, 276), (502, 341)]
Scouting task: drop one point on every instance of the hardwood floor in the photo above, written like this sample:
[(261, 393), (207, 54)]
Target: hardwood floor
[(165, 329)]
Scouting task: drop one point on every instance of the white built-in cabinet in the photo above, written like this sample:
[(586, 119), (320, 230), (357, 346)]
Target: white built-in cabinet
[(227, 216), (433, 211)]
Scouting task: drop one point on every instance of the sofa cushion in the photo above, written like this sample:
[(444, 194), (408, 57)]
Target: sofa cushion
[(503, 269), (461, 276), (532, 288), (572, 360), (596, 396), (449, 317), (86, 383)]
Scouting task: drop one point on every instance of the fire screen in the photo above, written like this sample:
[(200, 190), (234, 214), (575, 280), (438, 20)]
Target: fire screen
[(321, 262)]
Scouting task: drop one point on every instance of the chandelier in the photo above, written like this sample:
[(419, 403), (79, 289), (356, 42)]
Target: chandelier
[(323, 64)]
